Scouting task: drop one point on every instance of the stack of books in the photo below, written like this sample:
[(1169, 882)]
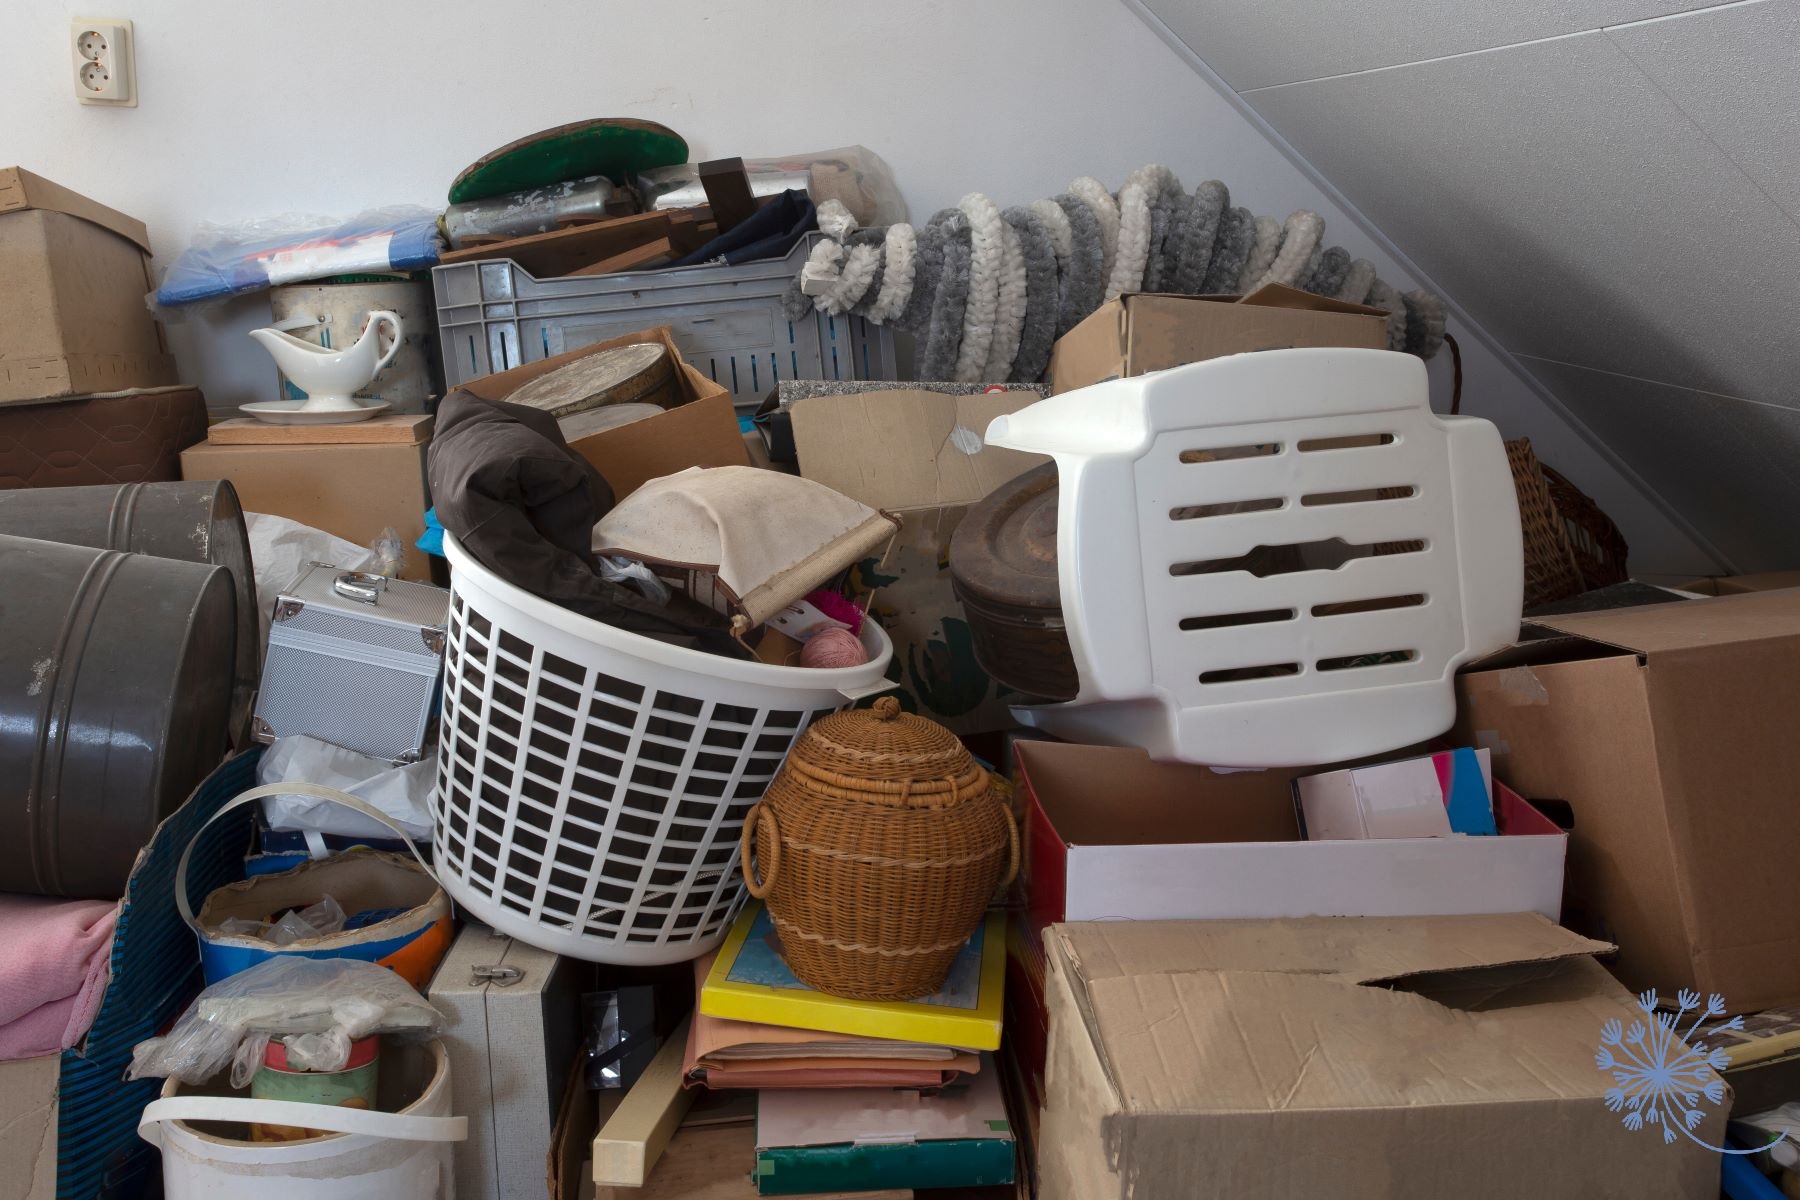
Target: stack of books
[(857, 1095)]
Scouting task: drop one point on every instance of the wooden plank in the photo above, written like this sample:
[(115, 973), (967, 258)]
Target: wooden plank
[(563, 251), (628, 1145), (631, 260), (715, 1162), (728, 192), (408, 429)]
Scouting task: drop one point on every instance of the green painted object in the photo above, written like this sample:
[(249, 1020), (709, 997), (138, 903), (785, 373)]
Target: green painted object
[(616, 147), (962, 1162)]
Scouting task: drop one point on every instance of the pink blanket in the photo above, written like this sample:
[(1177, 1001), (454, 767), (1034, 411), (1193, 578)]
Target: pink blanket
[(53, 970)]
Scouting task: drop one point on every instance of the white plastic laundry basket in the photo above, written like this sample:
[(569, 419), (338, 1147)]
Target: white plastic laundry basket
[(592, 782), (1273, 559)]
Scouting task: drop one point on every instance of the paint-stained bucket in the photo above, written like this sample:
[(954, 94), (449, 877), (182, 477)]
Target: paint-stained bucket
[(405, 921)]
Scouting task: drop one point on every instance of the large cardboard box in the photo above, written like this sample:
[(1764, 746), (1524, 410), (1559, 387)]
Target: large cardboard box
[(1357, 1059), (701, 430), (1737, 585), (353, 491), (919, 454), (28, 1117), (1193, 843), (1149, 331), (1670, 733), (74, 275)]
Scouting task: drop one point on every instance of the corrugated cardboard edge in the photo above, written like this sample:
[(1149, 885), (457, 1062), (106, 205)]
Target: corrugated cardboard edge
[(20, 189)]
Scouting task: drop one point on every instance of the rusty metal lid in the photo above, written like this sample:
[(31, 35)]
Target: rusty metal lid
[(1004, 550)]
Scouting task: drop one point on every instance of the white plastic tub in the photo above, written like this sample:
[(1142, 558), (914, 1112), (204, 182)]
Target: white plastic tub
[(592, 782)]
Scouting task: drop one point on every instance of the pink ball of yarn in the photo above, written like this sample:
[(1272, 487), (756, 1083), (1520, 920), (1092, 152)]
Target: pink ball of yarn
[(833, 648)]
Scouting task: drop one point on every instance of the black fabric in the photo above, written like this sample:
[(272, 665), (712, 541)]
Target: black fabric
[(523, 504), (770, 232)]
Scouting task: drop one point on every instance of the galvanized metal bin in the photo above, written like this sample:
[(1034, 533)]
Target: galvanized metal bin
[(727, 322), (115, 690)]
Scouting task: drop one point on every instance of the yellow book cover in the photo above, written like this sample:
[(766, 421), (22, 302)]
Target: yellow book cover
[(749, 981)]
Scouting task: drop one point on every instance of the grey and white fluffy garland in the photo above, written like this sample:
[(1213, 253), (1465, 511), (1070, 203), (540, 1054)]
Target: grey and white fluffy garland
[(988, 292)]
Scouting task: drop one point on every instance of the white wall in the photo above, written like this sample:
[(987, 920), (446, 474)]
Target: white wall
[(356, 104)]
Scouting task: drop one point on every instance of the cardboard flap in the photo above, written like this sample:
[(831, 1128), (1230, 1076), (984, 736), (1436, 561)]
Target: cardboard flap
[(20, 190), (907, 448), (1355, 950), (1280, 295), (1661, 628), (1272, 1015)]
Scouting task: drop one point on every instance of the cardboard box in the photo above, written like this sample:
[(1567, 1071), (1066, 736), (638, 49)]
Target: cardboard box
[(74, 274), (513, 1030), (1351, 1059), (1145, 332), (918, 454), (1449, 792), (353, 491), (1669, 731), (28, 1119), (699, 431), (1738, 585)]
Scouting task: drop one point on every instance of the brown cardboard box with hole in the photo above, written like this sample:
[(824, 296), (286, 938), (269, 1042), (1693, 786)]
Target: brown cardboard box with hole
[(353, 491), (1149, 331), (1350, 1058), (701, 430), (918, 454), (28, 1114), (74, 275), (1669, 732)]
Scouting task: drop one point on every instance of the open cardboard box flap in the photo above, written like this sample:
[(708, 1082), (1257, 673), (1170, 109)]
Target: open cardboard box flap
[(907, 448), (21, 190), (1262, 1016), (1693, 624)]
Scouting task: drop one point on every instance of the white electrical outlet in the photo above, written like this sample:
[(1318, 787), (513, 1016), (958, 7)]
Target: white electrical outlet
[(103, 64)]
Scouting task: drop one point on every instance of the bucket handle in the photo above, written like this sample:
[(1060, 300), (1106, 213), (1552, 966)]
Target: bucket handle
[(296, 788), (330, 1118)]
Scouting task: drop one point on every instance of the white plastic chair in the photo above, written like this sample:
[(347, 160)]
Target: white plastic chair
[(1188, 498)]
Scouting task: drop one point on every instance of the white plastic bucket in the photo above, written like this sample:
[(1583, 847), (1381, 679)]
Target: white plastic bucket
[(593, 783), (401, 1155)]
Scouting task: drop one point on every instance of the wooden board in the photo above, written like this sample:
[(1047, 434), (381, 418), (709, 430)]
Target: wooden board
[(628, 1145), (616, 147), (728, 193), (714, 1163), (639, 373), (408, 429), (645, 255), (565, 251)]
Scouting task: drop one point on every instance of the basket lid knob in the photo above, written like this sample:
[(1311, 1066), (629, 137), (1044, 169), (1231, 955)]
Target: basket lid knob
[(887, 708)]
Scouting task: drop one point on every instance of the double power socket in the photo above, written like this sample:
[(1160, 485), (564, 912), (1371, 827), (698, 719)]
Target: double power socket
[(104, 70)]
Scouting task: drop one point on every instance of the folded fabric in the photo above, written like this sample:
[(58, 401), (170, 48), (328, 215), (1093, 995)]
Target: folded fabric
[(769, 232), (744, 542), (53, 971), (513, 494), (759, 1077)]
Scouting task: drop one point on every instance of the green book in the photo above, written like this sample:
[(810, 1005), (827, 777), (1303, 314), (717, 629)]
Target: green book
[(866, 1139)]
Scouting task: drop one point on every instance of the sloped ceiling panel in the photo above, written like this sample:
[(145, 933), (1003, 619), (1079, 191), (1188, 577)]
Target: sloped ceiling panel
[(1618, 206)]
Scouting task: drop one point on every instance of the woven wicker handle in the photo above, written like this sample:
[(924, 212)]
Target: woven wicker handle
[(768, 847), (1012, 845)]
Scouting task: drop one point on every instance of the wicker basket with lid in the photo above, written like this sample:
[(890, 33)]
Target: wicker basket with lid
[(877, 849)]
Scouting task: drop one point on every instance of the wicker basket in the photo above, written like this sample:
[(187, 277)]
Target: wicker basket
[(1598, 546), (1550, 570), (880, 844)]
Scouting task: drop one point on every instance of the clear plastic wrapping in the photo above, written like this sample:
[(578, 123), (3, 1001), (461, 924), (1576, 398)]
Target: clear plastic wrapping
[(317, 1005), (854, 175)]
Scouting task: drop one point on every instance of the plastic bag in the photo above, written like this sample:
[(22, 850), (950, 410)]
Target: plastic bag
[(634, 574), (280, 549), (345, 998), (388, 552), (402, 793), (854, 175), (248, 256)]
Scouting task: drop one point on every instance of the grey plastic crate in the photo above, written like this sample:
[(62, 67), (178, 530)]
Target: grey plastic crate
[(728, 322)]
